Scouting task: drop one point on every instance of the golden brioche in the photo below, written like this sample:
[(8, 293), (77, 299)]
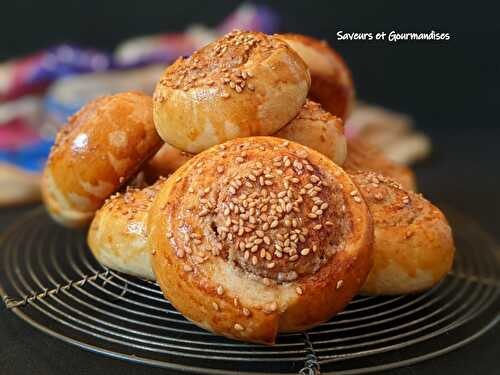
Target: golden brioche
[(117, 236), (316, 128), (245, 83), (331, 81), (100, 148), (259, 236), (413, 248), (363, 156)]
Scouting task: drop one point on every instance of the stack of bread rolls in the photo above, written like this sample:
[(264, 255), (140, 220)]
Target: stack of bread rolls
[(260, 217)]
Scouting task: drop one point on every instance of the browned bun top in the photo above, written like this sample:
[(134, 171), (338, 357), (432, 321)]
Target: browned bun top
[(331, 81), (363, 156), (224, 63), (245, 83), (101, 147), (271, 223)]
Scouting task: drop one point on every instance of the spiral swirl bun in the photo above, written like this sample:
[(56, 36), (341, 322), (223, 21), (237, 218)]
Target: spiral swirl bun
[(331, 81), (244, 84), (413, 248), (100, 148), (259, 235)]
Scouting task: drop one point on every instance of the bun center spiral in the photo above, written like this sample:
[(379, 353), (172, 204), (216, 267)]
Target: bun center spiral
[(271, 212)]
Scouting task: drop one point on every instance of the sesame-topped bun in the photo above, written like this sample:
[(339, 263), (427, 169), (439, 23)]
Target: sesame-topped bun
[(413, 248), (318, 129), (331, 81), (363, 156), (165, 162), (244, 84), (100, 148), (259, 236), (118, 236)]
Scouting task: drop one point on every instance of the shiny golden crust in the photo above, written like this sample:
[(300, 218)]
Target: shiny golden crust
[(100, 148), (413, 248), (259, 236), (331, 81), (165, 162), (118, 237), (363, 156), (244, 84), (318, 129)]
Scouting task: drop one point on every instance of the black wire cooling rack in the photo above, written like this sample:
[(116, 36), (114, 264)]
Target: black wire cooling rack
[(49, 278)]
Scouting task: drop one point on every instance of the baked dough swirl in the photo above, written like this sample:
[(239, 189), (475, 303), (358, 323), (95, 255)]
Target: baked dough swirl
[(413, 248), (244, 84), (259, 236), (331, 81)]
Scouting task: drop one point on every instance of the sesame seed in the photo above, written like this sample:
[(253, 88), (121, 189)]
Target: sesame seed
[(339, 284), (220, 290), (187, 268), (299, 290), (238, 327), (215, 306), (246, 312), (305, 251)]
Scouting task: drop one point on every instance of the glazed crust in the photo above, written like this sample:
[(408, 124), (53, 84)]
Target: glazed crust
[(118, 237), (318, 129), (100, 148), (363, 156), (259, 236), (244, 84), (413, 248), (331, 81)]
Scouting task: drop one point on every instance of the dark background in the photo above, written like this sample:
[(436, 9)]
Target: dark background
[(443, 84), (451, 88)]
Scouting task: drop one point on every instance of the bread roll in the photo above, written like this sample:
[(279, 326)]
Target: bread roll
[(318, 129), (363, 156), (259, 236), (117, 236), (413, 248), (244, 84), (100, 148), (165, 162), (331, 82)]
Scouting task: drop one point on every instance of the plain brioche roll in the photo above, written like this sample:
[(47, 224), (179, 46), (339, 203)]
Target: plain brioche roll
[(318, 129), (245, 83), (258, 236), (118, 237), (101, 147), (413, 248), (331, 81), (363, 156)]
